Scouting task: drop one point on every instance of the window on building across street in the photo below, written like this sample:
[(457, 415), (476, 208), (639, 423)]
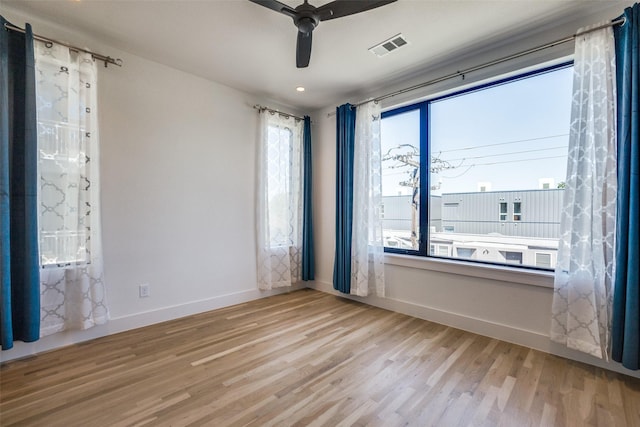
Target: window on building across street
[(517, 211), (503, 211), (543, 260), (512, 257), (449, 160), (465, 252)]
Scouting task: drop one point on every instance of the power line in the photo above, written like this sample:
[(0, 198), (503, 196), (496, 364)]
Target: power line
[(497, 163), (518, 161), (459, 175), (504, 143), (508, 154)]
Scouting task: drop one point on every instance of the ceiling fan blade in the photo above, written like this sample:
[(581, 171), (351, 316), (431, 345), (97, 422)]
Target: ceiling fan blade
[(277, 6), (340, 8), (303, 49)]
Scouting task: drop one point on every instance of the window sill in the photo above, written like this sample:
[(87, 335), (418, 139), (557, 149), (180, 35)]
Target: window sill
[(494, 272)]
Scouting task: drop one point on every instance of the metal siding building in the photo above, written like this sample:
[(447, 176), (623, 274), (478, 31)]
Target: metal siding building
[(480, 213), (396, 212), (505, 227)]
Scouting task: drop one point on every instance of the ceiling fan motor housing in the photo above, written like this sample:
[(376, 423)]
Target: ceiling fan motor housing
[(306, 21)]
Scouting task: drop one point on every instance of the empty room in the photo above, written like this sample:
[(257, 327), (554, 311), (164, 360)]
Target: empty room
[(319, 213)]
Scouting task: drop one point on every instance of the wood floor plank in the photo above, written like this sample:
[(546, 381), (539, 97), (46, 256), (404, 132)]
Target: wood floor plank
[(308, 359)]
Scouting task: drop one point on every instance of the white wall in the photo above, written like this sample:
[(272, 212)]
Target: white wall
[(499, 307), (177, 159)]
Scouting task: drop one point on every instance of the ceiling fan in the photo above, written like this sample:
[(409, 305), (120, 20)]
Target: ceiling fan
[(307, 17)]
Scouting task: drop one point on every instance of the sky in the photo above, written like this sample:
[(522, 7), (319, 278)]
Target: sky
[(509, 136)]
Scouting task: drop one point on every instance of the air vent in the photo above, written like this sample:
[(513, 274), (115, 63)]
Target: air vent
[(389, 45)]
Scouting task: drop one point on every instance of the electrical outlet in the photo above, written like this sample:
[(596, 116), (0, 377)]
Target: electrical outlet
[(144, 290)]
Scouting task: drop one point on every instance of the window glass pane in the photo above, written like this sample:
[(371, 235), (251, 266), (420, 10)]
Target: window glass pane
[(500, 148), (400, 141), (280, 184)]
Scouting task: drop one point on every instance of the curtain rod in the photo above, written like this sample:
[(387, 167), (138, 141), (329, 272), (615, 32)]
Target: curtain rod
[(489, 64), (48, 41), (272, 111)]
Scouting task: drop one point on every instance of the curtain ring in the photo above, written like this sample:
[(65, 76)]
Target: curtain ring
[(48, 45)]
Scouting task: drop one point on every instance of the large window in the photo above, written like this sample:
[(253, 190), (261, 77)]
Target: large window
[(451, 162)]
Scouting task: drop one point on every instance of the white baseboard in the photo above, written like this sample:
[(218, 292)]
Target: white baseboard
[(137, 320), (523, 337)]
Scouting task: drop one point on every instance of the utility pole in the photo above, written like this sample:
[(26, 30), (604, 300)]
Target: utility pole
[(411, 159)]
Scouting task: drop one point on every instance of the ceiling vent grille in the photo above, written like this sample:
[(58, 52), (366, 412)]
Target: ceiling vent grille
[(395, 42)]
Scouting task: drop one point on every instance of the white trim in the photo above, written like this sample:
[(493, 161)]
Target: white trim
[(519, 336), (138, 320), (486, 271)]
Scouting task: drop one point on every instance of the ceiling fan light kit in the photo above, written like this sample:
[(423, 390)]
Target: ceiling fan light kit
[(306, 18)]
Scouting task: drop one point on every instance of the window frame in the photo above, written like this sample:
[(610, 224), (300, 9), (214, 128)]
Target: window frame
[(424, 106), (423, 214)]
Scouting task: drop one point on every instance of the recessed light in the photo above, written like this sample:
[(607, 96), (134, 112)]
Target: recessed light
[(300, 89)]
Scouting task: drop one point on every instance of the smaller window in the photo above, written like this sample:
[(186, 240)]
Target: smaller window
[(512, 257), (432, 249), (448, 228), (443, 250), (465, 252), (503, 211), (543, 260), (517, 211), (545, 186)]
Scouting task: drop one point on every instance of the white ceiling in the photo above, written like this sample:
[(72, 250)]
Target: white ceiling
[(251, 48)]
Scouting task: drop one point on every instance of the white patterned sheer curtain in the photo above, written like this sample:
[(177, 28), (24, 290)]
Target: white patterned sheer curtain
[(584, 274), (279, 219), (367, 247), (71, 279)]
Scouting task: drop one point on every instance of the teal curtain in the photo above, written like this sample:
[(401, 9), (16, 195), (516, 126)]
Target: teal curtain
[(308, 264), (345, 140), (19, 266), (625, 338)]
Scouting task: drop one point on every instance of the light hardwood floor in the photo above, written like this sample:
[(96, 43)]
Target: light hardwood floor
[(309, 358)]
